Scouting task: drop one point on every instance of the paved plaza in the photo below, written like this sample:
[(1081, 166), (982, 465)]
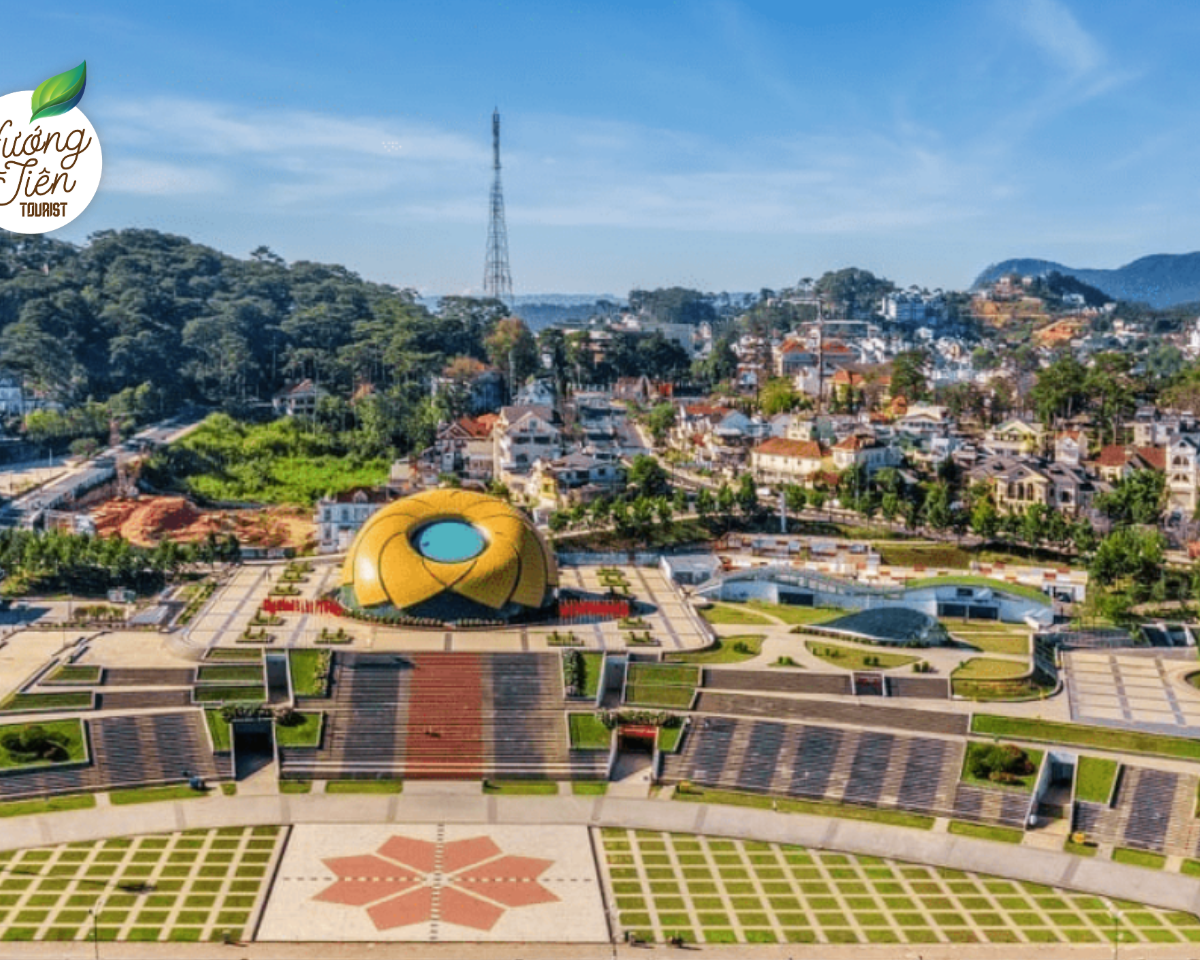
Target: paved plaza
[(1142, 690), (436, 882)]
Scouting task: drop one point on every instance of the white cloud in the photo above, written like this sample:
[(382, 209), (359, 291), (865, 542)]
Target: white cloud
[(1053, 28), (152, 177)]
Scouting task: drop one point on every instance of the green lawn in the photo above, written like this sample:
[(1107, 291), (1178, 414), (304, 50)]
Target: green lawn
[(120, 798), (1080, 849), (75, 673), (796, 615), (957, 580), (1025, 783), (587, 732), (983, 668), (230, 673), (986, 832), (295, 786), (1103, 738), (218, 729), (855, 658), (589, 788), (307, 733), (679, 698), (307, 667), (230, 694), (73, 743), (816, 808), (233, 654), (23, 702), (1139, 858), (728, 614), (723, 650), (523, 788), (364, 786), (669, 737), (29, 808), (990, 637), (653, 674), (1094, 779), (593, 663)]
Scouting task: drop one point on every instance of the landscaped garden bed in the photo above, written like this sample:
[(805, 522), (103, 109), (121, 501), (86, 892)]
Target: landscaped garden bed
[(1081, 735), (311, 670), (1094, 779), (1002, 765), (588, 732), (25, 745), (661, 685), (46, 702), (74, 674), (216, 693), (722, 650), (231, 673), (856, 658), (233, 655), (299, 729), (581, 673)]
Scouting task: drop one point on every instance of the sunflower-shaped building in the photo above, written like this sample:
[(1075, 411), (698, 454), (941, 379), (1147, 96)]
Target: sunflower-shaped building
[(449, 555)]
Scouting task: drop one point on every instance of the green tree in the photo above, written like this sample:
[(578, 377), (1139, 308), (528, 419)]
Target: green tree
[(908, 375)]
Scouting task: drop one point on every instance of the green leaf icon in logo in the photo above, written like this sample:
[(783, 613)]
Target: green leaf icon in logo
[(59, 94)]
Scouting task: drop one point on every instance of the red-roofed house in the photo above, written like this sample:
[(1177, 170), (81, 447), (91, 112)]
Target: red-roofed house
[(779, 460)]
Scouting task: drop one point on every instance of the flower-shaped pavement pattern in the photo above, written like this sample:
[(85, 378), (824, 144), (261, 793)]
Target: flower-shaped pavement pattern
[(466, 882)]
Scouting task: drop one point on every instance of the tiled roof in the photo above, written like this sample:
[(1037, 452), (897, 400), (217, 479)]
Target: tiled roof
[(782, 447)]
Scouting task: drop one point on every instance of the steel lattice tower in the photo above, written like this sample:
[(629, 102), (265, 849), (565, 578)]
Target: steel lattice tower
[(497, 279)]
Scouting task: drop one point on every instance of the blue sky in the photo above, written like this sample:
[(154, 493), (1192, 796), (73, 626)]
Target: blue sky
[(722, 145)]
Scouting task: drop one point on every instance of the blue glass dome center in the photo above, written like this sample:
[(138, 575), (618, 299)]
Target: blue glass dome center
[(449, 541)]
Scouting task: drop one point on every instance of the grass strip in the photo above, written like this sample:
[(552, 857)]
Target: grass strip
[(218, 729), (230, 673), (589, 788), (524, 788), (1102, 738), (30, 808), (1139, 858), (121, 798), (817, 808), (982, 831), (230, 694), (75, 673), (655, 675), (364, 786), (20, 702), (677, 697)]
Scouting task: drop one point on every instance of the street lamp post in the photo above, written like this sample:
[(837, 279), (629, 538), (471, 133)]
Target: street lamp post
[(1116, 919)]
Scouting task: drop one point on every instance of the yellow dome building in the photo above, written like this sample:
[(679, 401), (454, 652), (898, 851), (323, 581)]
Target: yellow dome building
[(449, 555)]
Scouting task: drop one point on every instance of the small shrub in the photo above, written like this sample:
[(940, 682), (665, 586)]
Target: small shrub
[(1001, 763)]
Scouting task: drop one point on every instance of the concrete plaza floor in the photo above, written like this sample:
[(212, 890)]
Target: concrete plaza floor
[(1147, 691), (433, 882)]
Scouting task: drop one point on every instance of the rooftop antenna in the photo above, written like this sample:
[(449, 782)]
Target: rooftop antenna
[(497, 279)]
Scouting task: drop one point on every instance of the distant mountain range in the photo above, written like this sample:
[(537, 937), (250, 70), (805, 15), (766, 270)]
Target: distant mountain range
[(1161, 280)]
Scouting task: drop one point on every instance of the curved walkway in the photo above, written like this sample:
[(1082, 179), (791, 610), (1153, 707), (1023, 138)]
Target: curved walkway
[(427, 805)]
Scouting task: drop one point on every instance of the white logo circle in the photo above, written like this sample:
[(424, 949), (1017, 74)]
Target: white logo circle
[(49, 169)]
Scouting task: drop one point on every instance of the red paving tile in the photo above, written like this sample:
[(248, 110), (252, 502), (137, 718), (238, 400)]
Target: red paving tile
[(462, 853), (421, 855), (517, 893), (509, 868), (466, 911), (402, 911), (366, 865), (359, 893)]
